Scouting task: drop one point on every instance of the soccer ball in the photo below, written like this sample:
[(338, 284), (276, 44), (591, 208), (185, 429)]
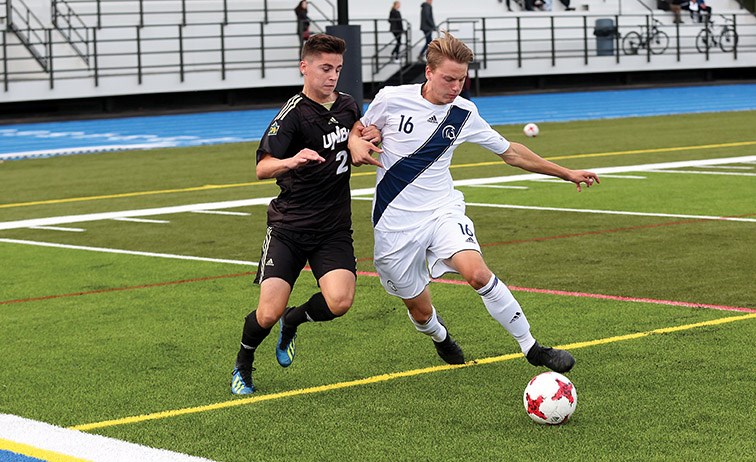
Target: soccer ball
[(550, 398), (531, 130)]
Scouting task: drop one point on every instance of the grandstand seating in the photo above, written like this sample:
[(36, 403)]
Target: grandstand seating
[(87, 48)]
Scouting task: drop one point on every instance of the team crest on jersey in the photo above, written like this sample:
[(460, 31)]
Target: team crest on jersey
[(449, 132), (273, 130)]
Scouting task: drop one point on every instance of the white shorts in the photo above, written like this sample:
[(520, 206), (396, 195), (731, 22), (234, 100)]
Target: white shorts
[(407, 260)]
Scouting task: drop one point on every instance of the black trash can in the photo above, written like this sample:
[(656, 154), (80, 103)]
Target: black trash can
[(605, 33)]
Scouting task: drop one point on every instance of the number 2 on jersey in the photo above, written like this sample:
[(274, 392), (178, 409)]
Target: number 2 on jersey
[(343, 158)]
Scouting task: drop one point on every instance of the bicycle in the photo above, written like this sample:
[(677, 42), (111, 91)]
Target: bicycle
[(656, 40), (727, 38)]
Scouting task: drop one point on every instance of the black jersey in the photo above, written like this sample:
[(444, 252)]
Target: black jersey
[(313, 197)]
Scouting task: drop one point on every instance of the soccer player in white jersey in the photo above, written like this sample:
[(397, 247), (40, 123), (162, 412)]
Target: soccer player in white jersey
[(421, 230)]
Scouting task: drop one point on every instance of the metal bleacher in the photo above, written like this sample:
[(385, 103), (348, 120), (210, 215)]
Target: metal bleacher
[(58, 49)]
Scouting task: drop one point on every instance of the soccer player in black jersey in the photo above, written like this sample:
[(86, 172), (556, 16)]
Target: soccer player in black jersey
[(305, 150)]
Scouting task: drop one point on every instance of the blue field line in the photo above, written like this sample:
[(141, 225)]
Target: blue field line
[(36, 140)]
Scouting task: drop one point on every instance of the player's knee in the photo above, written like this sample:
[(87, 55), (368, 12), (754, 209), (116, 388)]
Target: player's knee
[(340, 305), (479, 278), (265, 319)]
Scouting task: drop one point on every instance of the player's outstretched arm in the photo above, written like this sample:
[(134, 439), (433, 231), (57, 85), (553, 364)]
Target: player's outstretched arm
[(270, 167), (519, 155), (361, 147)]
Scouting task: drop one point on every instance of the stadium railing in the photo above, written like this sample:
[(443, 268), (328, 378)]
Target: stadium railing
[(241, 45)]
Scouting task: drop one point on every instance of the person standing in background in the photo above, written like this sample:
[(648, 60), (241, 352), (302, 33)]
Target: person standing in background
[(303, 21), (509, 6), (397, 28), (427, 25)]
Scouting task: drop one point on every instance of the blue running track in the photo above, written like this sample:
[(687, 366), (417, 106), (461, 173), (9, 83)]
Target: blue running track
[(23, 141)]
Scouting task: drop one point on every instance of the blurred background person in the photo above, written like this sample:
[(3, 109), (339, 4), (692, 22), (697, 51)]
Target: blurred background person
[(303, 21), (427, 25), (397, 28)]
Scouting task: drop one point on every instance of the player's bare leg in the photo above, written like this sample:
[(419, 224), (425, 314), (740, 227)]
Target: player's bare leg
[(423, 315), (334, 300), (503, 307), (274, 294)]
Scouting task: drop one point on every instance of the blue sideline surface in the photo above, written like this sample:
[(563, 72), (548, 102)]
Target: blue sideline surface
[(35, 140)]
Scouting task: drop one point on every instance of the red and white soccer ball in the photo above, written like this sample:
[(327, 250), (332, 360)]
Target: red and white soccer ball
[(531, 130), (550, 398)]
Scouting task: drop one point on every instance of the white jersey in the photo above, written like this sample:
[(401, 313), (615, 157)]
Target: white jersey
[(419, 139)]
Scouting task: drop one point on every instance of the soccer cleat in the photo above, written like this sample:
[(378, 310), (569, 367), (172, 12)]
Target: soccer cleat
[(557, 360), (241, 382), (286, 348), (448, 349)]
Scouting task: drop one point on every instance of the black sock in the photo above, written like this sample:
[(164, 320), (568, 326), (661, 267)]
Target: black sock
[(252, 335), (315, 309)]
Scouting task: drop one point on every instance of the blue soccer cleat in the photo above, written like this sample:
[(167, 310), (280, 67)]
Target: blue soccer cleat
[(241, 383), (286, 348)]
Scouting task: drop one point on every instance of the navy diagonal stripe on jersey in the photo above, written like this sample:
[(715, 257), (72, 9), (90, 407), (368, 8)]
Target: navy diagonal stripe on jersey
[(404, 172)]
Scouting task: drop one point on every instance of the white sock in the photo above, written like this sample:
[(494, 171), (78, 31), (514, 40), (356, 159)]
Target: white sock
[(432, 327), (504, 308)]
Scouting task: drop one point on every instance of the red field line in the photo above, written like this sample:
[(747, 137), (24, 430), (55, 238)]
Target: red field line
[(606, 297), (590, 233), (119, 289), (605, 231), (372, 274)]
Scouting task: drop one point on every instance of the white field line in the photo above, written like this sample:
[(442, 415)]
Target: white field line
[(132, 213), (610, 170), (497, 186), (41, 441), (59, 228), (50, 221), (81, 150), (141, 220), (127, 252), (625, 177), (222, 212), (612, 212), (701, 172), (730, 167)]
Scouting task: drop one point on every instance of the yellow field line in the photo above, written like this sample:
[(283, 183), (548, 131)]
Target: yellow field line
[(206, 187), (391, 376), (356, 174)]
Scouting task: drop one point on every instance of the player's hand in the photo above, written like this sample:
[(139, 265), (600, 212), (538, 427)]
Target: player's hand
[(304, 157), (371, 134), (361, 151), (583, 176)]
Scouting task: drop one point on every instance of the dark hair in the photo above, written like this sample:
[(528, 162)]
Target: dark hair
[(323, 43)]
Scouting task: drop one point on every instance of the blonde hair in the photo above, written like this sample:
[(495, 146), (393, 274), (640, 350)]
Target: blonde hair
[(448, 47)]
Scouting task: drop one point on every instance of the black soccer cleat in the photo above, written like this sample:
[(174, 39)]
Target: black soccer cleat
[(557, 360), (448, 349)]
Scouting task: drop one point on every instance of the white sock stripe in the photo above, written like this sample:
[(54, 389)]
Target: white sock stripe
[(264, 257)]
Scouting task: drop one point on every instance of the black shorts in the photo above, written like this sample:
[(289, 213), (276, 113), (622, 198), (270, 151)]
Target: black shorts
[(285, 253)]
